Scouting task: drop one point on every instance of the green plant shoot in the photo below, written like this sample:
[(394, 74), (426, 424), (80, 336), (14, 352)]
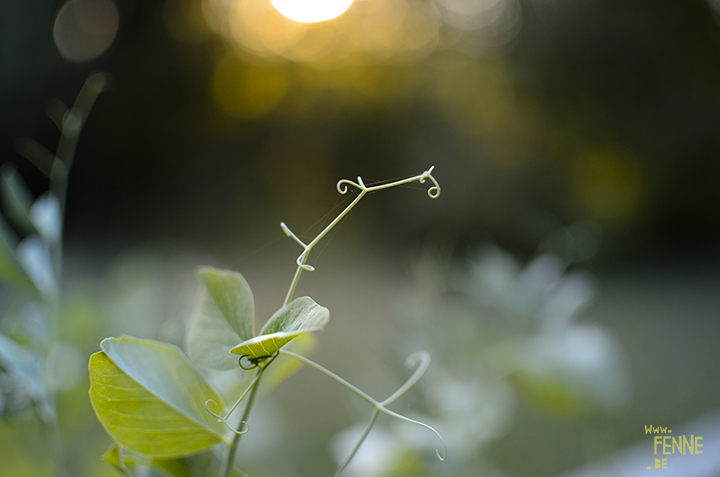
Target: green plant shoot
[(155, 404)]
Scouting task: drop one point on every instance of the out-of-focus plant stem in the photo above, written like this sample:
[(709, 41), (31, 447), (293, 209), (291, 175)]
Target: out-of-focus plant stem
[(226, 470)]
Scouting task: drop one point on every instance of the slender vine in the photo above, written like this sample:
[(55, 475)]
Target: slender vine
[(379, 406), (342, 187)]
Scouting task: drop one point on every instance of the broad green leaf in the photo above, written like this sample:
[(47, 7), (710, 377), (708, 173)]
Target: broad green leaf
[(17, 198), (11, 272), (151, 400), (285, 366), (131, 465), (222, 319), (197, 465), (301, 315)]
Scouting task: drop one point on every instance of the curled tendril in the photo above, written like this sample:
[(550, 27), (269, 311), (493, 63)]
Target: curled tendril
[(224, 419), (252, 366), (254, 362), (421, 424), (423, 358), (434, 191), (302, 265), (343, 183), (343, 187)]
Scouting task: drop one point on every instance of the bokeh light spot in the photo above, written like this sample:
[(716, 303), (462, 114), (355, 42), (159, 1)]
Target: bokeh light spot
[(246, 91), (608, 181), (85, 29), (311, 11), (398, 31)]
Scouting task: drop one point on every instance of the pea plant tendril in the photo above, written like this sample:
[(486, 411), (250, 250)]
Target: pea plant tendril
[(159, 409)]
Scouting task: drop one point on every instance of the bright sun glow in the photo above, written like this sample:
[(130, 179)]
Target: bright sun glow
[(311, 11)]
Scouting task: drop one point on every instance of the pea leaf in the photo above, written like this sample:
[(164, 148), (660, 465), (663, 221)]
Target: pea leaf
[(151, 400), (130, 465), (301, 315), (222, 319), (197, 465), (285, 366)]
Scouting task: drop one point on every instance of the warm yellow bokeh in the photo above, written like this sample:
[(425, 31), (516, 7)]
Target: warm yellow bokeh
[(247, 91), (608, 182), (311, 11), (368, 31)]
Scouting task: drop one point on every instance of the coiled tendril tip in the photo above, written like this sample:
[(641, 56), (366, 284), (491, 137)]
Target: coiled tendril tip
[(224, 419), (342, 187), (434, 191)]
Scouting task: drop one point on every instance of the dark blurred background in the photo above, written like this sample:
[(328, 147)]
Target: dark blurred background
[(582, 109), (223, 119)]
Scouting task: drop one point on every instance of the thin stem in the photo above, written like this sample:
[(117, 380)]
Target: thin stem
[(72, 124), (332, 376), (226, 469), (69, 135), (71, 127), (302, 259), (54, 443), (368, 428), (421, 424), (342, 187), (50, 419), (242, 396), (424, 359)]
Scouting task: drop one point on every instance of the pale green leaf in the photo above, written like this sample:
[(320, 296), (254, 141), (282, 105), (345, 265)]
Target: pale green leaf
[(47, 218), (17, 198), (301, 315), (285, 366), (151, 400), (223, 318), (27, 368), (133, 465), (34, 256)]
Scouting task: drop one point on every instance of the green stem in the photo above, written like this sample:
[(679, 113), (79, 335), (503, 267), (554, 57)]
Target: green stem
[(54, 443), (359, 443), (71, 127), (226, 469), (342, 187), (303, 258), (424, 359)]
